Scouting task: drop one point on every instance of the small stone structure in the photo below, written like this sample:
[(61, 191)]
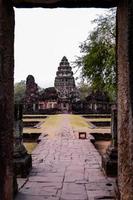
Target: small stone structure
[(82, 135), (48, 101), (110, 159), (95, 103), (22, 160), (31, 95), (98, 102)]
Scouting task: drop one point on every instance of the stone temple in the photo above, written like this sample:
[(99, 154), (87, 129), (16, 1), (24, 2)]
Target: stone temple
[(57, 99), (64, 97), (65, 85)]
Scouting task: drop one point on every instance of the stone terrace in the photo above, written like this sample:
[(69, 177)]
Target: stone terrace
[(66, 168)]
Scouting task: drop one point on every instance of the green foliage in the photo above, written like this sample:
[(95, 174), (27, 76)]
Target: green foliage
[(19, 91), (98, 61), (84, 90)]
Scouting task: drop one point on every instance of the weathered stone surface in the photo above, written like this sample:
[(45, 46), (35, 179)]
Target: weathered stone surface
[(22, 165), (6, 98), (65, 3), (110, 158), (125, 96), (99, 194), (32, 197), (31, 95), (67, 176), (65, 86)]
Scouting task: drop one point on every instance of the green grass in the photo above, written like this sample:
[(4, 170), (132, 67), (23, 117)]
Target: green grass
[(30, 146), (99, 119), (52, 123), (78, 121)]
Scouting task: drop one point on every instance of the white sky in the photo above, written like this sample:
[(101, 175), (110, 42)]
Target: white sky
[(44, 36)]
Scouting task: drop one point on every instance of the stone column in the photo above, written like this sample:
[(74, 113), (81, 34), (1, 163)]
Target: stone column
[(114, 126), (125, 98), (22, 160), (110, 158), (6, 98)]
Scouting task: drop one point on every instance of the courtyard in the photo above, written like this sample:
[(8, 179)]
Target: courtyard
[(64, 166)]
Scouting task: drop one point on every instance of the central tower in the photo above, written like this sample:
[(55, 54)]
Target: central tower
[(65, 85)]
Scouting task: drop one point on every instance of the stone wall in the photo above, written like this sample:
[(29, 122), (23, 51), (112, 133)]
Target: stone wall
[(6, 98), (125, 96)]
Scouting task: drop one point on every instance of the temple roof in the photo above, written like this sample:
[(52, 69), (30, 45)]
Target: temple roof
[(64, 62), (30, 79), (64, 59)]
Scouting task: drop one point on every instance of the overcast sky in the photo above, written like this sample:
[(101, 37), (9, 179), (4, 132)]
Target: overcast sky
[(44, 36)]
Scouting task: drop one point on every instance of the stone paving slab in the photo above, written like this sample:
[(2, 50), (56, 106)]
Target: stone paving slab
[(66, 168), (22, 196)]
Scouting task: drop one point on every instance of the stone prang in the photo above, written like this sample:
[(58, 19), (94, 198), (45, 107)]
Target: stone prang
[(31, 94), (65, 85), (64, 80)]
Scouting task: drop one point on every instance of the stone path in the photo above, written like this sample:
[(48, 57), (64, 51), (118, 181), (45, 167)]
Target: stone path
[(66, 168)]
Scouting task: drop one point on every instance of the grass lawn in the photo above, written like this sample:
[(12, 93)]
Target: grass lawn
[(78, 121), (51, 125), (99, 119), (32, 120), (52, 122), (30, 146)]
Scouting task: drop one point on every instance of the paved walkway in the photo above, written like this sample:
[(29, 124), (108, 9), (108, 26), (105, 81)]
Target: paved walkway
[(66, 168)]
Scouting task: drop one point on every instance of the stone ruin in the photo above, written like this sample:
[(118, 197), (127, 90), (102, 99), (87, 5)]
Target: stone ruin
[(64, 97), (124, 55), (65, 86), (22, 161), (31, 95), (56, 99)]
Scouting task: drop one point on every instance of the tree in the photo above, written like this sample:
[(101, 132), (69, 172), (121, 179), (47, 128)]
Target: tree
[(84, 90), (19, 91), (98, 61)]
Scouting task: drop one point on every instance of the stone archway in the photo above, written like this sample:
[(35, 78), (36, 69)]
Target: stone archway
[(125, 91)]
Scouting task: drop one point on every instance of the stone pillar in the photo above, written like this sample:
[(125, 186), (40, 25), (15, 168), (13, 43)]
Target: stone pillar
[(22, 160), (6, 98), (125, 98), (110, 158), (114, 126)]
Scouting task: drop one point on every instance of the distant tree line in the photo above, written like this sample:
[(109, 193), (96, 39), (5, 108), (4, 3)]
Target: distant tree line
[(19, 91)]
